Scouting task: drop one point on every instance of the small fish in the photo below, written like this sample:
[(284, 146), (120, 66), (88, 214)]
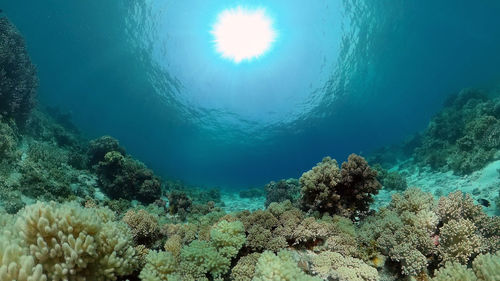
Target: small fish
[(484, 202)]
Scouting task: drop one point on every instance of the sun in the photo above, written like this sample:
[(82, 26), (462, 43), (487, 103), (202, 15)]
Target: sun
[(243, 34)]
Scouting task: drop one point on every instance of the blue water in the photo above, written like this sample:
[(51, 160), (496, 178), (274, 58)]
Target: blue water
[(341, 78)]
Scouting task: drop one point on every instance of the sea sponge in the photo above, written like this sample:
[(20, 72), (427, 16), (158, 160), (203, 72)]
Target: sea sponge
[(334, 265), (347, 191), (280, 267), (18, 80)]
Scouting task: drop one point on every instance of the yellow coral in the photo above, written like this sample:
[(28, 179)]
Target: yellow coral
[(333, 265), (144, 226), (280, 267), (174, 245), (15, 261), (160, 266), (73, 243)]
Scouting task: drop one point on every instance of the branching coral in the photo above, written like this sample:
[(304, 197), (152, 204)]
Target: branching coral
[(347, 191), (484, 268), (144, 226), (457, 206), (404, 230), (280, 267), (487, 267), (213, 257), (15, 261), (18, 81), (68, 242), (244, 270), (200, 258), (334, 265), (160, 266), (459, 241)]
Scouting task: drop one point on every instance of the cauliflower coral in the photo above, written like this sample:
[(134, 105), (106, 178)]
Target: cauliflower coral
[(346, 191)]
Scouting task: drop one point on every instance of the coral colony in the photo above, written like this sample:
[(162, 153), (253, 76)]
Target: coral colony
[(74, 209)]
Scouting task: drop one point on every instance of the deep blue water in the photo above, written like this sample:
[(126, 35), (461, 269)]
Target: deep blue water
[(341, 78)]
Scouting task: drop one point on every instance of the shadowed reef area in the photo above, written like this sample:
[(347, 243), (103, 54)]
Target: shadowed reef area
[(78, 209)]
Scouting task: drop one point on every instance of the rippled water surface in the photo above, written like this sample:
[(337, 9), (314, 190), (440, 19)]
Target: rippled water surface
[(342, 77)]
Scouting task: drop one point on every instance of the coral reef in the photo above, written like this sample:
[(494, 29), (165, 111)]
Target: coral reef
[(347, 191), (391, 180), (18, 80), (121, 176), (484, 268), (418, 232), (464, 136), (178, 202), (319, 227), (280, 267), (99, 147), (282, 190), (332, 265), (144, 226)]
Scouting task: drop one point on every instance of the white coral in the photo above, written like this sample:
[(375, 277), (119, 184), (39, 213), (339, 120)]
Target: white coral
[(66, 242)]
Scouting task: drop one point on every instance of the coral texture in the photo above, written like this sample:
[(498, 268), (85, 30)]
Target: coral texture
[(282, 190), (280, 267), (333, 265), (464, 136), (347, 191), (144, 226), (123, 177), (18, 80), (68, 242)]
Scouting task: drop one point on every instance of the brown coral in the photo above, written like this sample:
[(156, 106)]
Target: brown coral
[(144, 226), (347, 191)]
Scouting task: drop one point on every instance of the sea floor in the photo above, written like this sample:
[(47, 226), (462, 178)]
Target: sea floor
[(483, 184)]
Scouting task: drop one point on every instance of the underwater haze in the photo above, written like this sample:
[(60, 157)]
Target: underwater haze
[(340, 77)]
